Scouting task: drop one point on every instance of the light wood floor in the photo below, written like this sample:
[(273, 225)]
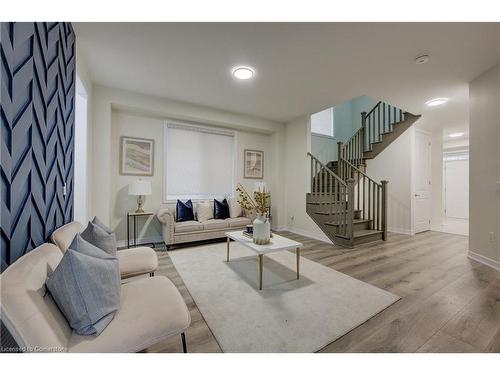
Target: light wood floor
[(449, 302)]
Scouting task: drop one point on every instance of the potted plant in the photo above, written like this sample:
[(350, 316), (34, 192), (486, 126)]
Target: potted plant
[(260, 205)]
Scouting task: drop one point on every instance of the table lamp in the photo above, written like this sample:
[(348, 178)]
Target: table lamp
[(140, 188)]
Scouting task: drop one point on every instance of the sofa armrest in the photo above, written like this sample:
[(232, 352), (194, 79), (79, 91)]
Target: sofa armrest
[(166, 217)]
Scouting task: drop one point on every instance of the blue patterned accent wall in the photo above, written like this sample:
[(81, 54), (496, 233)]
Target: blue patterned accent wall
[(37, 133)]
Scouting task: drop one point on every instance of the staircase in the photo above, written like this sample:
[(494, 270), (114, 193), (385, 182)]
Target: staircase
[(348, 205)]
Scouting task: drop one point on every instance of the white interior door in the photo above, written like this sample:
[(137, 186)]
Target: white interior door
[(422, 183), (456, 186)]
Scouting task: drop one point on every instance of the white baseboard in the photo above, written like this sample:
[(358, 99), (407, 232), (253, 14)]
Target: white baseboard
[(279, 229), (305, 233), (484, 260), (140, 241), (406, 231)]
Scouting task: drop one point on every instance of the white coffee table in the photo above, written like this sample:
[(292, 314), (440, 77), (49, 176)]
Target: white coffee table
[(278, 243)]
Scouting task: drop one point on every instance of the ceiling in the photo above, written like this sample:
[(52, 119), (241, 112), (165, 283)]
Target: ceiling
[(300, 67)]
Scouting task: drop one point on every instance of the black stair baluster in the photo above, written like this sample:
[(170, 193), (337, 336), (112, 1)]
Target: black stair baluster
[(378, 116)]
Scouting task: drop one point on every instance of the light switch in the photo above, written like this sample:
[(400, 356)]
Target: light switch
[(498, 186)]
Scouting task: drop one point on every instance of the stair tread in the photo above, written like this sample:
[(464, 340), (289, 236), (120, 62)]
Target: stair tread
[(365, 232), (355, 221), (328, 212)]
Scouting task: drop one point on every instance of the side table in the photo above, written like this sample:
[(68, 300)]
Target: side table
[(134, 216)]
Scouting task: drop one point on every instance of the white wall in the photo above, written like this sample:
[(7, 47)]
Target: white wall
[(297, 179), (394, 164), (324, 148), (484, 204), (133, 125), (80, 178), (86, 81), (437, 204), (117, 112)]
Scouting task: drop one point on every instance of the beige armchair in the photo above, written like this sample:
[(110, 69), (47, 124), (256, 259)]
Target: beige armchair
[(133, 262), (151, 310)]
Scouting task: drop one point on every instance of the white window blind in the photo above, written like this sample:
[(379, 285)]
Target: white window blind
[(199, 162), (322, 122)]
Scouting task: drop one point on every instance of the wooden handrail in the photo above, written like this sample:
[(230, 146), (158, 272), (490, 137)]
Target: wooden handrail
[(378, 121), (373, 109), (328, 170), (369, 197), (360, 171), (334, 197)]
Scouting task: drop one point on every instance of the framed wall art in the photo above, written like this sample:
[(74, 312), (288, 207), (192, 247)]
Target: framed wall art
[(136, 156), (254, 164)]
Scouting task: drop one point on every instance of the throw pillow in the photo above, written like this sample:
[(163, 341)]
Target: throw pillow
[(184, 211), (221, 209), (86, 287), (204, 211), (234, 208), (104, 239), (101, 225)]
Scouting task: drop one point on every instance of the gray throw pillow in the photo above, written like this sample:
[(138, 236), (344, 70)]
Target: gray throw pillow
[(101, 225), (86, 287), (101, 236)]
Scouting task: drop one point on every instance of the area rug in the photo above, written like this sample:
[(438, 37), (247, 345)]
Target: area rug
[(288, 315)]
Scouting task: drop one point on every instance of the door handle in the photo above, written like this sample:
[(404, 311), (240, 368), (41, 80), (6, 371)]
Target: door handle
[(417, 195)]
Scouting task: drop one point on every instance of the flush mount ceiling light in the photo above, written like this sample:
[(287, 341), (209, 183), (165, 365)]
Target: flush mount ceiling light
[(436, 101), (456, 135), (422, 59), (243, 72)]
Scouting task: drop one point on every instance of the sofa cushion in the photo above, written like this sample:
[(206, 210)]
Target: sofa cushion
[(221, 209), (234, 208), (28, 311), (188, 226), (151, 310), (215, 224), (86, 287), (238, 222), (103, 238), (204, 211), (101, 225), (137, 261), (184, 211)]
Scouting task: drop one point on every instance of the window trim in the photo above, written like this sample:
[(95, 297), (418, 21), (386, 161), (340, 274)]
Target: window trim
[(172, 123)]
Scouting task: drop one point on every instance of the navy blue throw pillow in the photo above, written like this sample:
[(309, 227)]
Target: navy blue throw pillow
[(221, 209), (184, 211)]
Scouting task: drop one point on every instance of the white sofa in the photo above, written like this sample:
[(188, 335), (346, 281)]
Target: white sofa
[(133, 262), (192, 231), (151, 310)]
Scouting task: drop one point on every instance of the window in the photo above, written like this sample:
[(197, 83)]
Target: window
[(199, 162), (322, 123)]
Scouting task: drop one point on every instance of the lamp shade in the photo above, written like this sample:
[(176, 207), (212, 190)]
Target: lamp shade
[(140, 187)]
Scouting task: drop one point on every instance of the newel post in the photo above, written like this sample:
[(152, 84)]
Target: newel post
[(363, 126), (350, 208), (339, 156), (384, 209)]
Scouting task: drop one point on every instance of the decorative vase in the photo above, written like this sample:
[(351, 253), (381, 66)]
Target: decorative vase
[(261, 230)]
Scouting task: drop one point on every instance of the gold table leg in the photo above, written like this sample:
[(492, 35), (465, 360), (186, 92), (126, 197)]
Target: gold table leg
[(228, 241), (261, 266), (297, 252)]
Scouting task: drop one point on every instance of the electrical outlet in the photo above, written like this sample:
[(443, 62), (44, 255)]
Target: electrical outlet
[(64, 190), (492, 237)]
